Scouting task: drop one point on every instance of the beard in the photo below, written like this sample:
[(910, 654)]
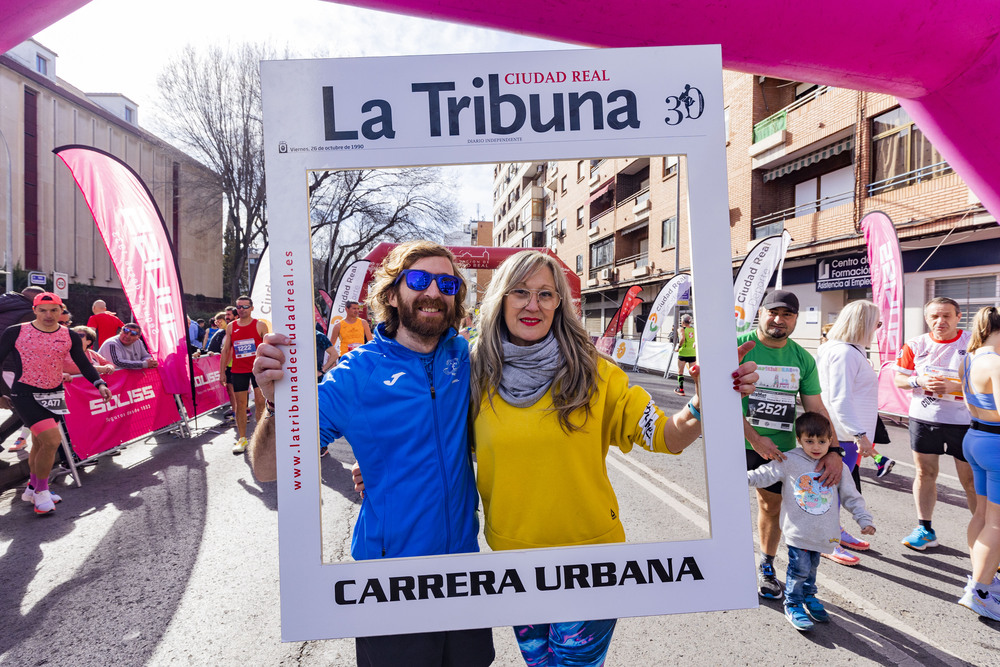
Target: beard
[(776, 333), (410, 318)]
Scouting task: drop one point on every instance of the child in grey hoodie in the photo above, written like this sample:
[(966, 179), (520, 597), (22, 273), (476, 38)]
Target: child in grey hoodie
[(810, 514)]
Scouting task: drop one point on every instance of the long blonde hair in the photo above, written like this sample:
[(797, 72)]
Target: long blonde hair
[(398, 260), (576, 381), (984, 325), (856, 323)]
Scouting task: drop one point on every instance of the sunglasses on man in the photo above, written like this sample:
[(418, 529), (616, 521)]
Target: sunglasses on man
[(419, 280), (132, 332)]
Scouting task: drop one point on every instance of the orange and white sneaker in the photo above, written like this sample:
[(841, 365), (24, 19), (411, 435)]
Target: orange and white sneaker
[(44, 503), (842, 557), (848, 541), (29, 496), (18, 445)]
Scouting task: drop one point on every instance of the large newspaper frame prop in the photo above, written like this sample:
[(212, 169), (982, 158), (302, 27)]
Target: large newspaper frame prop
[(396, 112)]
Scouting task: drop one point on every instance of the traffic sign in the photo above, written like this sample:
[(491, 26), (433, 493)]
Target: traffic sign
[(37, 278), (60, 284)]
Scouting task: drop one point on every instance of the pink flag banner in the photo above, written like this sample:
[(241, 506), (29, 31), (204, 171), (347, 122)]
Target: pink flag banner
[(136, 238), (208, 388), (631, 300), (886, 265), (891, 399), (138, 406)]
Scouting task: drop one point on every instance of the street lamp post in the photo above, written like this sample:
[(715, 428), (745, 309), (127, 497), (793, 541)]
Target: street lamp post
[(9, 252)]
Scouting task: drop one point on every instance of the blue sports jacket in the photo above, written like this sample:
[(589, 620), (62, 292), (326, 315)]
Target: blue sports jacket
[(406, 416)]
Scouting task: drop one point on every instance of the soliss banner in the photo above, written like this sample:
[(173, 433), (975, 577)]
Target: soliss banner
[(139, 405), (211, 393)]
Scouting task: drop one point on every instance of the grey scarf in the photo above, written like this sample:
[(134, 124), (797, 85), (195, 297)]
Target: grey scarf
[(528, 370)]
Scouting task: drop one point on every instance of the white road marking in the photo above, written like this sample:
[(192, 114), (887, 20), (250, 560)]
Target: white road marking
[(698, 520)]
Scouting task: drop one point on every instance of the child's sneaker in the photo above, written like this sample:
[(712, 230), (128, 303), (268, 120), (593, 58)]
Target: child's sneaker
[(798, 618), (18, 445), (842, 557), (816, 610), (920, 539), (848, 541), (767, 584), (884, 466)]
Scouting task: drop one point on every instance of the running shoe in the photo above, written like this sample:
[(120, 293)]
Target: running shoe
[(815, 609), (240, 446), (29, 497), (323, 451), (798, 618), (679, 391), (989, 607), (767, 584), (920, 539), (44, 503), (842, 557), (18, 445), (884, 466), (848, 541)]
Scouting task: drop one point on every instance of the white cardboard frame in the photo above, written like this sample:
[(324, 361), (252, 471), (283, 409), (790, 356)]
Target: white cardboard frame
[(298, 138)]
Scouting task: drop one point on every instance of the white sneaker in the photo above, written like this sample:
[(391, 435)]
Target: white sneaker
[(240, 446), (29, 497), (44, 503)]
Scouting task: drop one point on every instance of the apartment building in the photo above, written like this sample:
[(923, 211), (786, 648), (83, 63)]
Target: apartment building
[(809, 159), (52, 227)]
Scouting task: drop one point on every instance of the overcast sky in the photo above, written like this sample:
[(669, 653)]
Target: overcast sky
[(120, 46)]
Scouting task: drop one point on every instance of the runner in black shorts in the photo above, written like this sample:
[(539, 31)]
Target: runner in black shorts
[(39, 348), (241, 381), (940, 439)]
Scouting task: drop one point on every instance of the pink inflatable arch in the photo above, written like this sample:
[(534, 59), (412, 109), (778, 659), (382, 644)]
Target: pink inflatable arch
[(942, 59)]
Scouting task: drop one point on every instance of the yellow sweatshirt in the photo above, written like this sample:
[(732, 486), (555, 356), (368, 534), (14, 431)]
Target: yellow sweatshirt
[(543, 487)]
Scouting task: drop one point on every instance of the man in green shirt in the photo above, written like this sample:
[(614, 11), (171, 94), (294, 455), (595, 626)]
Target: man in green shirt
[(786, 371)]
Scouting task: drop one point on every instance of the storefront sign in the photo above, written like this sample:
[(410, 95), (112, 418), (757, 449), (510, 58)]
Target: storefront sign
[(843, 272)]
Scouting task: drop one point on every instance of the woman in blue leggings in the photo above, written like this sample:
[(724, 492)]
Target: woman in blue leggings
[(981, 447)]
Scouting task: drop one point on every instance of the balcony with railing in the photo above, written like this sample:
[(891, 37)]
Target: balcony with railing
[(772, 223), (909, 178)]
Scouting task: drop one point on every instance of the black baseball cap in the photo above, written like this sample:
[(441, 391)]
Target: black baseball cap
[(779, 298)]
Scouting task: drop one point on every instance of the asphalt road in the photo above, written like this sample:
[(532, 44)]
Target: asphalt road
[(168, 556)]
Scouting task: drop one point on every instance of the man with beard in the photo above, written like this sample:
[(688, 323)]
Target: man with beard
[(402, 402), (785, 370)]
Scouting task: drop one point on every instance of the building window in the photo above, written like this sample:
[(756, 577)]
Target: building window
[(562, 227), (901, 154), (579, 217), (562, 184), (579, 263), (972, 293), (42, 64), (129, 115), (581, 171), (669, 165), (602, 253), (669, 232)]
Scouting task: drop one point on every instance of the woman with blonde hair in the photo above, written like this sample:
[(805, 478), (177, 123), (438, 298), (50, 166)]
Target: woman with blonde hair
[(850, 394), (980, 373), (548, 407)]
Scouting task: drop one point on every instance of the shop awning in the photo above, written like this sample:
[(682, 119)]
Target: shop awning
[(809, 159)]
